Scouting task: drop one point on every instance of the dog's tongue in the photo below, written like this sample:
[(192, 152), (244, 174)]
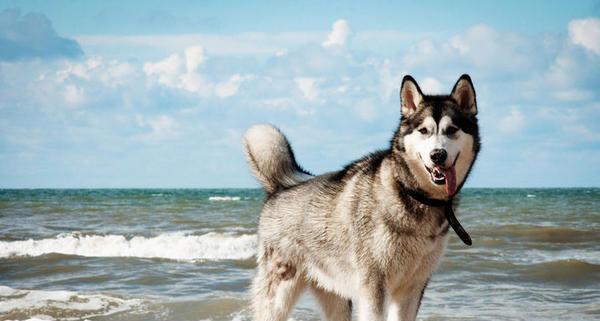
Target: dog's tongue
[(450, 174)]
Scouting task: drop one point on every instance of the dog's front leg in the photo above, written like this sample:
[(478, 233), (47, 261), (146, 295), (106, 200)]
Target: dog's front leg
[(404, 306), (371, 300)]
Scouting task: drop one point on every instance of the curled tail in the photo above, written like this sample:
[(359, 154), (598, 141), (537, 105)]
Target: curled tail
[(271, 158)]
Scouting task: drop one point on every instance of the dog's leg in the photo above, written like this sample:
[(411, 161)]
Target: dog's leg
[(404, 307), (275, 288), (371, 301), (334, 307), (411, 304)]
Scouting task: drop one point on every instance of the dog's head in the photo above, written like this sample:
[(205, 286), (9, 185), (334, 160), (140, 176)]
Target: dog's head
[(438, 136)]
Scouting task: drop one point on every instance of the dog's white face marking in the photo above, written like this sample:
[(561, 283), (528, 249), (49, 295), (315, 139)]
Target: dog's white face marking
[(429, 136)]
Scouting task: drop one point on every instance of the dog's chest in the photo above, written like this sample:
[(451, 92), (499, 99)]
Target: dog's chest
[(416, 262), (414, 248)]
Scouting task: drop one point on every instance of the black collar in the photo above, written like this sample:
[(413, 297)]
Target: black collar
[(448, 212)]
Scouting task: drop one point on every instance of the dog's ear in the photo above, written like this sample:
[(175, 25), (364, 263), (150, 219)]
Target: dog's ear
[(410, 96), (464, 94)]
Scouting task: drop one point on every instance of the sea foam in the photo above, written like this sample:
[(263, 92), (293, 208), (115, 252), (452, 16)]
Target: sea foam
[(175, 246), (224, 198), (48, 305)]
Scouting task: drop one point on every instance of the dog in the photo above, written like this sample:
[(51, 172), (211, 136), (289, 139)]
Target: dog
[(371, 234)]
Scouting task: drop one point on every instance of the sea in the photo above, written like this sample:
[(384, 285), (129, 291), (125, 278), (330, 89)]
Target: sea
[(189, 254)]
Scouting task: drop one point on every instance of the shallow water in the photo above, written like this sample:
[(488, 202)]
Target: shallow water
[(189, 255)]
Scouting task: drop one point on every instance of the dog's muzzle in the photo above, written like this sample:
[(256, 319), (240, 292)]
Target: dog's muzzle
[(444, 176)]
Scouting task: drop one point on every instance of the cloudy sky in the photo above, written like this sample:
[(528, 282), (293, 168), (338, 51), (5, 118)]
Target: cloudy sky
[(150, 94)]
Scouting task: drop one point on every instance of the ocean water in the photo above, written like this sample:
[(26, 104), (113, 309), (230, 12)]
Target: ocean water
[(189, 255)]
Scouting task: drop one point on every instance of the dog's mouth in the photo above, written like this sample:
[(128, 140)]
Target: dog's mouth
[(438, 174), (444, 176)]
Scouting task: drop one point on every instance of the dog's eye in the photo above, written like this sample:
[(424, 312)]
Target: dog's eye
[(423, 131), (451, 130)]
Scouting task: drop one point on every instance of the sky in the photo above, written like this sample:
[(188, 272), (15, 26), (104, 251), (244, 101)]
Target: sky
[(158, 94)]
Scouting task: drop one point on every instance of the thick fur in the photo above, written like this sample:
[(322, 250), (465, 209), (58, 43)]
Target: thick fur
[(271, 158), (356, 236)]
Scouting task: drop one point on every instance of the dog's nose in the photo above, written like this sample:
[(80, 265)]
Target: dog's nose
[(438, 156)]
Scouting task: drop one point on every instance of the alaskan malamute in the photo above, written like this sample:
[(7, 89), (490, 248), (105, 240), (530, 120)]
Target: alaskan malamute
[(371, 234)]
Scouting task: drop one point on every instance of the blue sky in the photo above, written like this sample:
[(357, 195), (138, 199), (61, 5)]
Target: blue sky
[(150, 94)]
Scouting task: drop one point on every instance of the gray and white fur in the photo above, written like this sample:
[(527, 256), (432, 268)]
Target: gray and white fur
[(362, 237)]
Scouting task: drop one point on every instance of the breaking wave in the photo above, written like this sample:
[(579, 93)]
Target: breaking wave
[(224, 198), (65, 305), (175, 246)]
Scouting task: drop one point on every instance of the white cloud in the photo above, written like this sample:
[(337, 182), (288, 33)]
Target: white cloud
[(194, 82), (168, 70), (231, 86), (574, 95), (74, 95), (586, 33), (182, 72), (247, 43), (194, 57), (570, 75), (481, 42), (150, 46), (110, 73), (480, 47), (73, 70), (308, 87), (582, 132), (513, 122), (559, 115), (162, 128), (389, 80), (562, 71), (281, 103), (339, 35), (120, 71), (430, 85), (366, 109)]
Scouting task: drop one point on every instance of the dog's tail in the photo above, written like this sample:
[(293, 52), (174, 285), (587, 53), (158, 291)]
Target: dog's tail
[(271, 158)]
